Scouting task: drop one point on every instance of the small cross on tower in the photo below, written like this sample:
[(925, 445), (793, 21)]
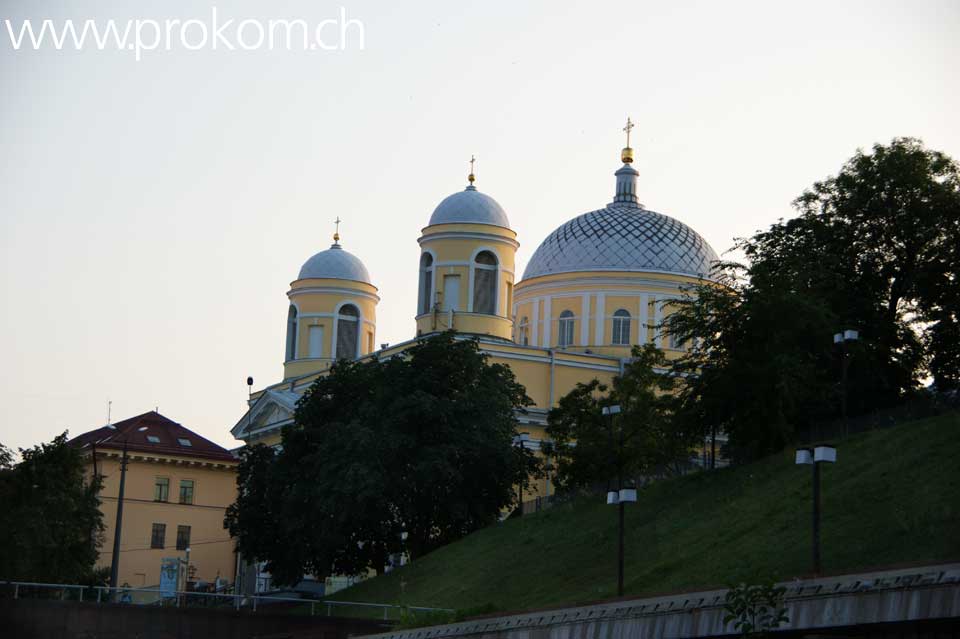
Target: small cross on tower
[(336, 233), (472, 177), (628, 128)]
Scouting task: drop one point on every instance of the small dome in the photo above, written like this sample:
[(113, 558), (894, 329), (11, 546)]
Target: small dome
[(469, 206), (623, 237), (337, 264)]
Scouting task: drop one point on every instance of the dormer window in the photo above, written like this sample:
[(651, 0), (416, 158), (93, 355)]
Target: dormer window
[(183, 441), (153, 439)]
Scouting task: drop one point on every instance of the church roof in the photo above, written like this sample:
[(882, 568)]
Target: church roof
[(171, 438), (623, 237), (469, 206), (337, 264)]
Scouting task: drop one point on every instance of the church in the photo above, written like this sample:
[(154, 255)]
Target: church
[(598, 284)]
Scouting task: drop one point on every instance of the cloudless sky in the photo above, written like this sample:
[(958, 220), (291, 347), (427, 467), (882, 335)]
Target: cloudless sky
[(153, 213)]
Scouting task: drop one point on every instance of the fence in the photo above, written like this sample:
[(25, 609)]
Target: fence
[(157, 597)]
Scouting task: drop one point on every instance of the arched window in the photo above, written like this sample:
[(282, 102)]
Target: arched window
[(621, 327), (426, 284), (348, 329), (523, 332), (291, 351), (485, 283), (565, 332)]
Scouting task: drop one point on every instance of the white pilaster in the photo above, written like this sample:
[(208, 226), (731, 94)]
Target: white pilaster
[(535, 322), (601, 316), (547, 321), (585, 321), (642, 318)]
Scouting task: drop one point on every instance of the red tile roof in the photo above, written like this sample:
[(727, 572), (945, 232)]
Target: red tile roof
[(168, 432)]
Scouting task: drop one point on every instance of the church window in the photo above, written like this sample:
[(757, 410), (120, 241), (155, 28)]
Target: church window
[(485, 283), (621, 327), (291, 333), (675, 342), (524, 330), (566, 326), (426, 284), (315, 339), (348, 329)]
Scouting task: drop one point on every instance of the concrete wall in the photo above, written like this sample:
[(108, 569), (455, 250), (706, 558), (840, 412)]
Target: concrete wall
[(39, 619), (842, 604)]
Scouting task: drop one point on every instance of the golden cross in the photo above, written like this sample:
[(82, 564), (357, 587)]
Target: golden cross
[(472, 160), (627, 128), (336, 233)]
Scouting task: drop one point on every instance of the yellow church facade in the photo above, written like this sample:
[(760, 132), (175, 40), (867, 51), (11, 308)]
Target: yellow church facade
[(600, 283)]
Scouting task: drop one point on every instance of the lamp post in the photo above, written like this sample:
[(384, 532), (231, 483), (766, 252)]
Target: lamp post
[(520, 439), (621, 496), (842, 339), (821, 454), (115, 559)]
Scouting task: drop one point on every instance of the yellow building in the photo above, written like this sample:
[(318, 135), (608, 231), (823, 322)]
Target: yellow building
[(600, 283), (177, 487)]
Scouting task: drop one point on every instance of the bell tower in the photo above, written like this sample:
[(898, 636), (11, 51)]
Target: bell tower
[(466, 267)]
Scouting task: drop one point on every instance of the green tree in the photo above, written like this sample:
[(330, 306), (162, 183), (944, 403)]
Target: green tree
[(874, 249), (643, 439), (51, 526), (386, 456)]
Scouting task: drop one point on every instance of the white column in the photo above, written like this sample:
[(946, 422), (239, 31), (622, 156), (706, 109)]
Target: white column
[(657, 318), (642, 318), (585, 321), (535, 322), (601, 316), (547, 321)]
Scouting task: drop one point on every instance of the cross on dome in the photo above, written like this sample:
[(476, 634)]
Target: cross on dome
[(336, 232), (628, 128), (627, 154), (472, 177)]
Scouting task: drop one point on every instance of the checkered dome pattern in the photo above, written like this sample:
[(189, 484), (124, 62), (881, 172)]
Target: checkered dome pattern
[(623, 238)]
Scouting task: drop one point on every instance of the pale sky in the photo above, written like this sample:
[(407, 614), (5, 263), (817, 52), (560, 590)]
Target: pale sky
[(154, 212)]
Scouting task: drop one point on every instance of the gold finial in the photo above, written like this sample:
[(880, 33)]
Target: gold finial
[(627, 154), (336, 233), (472, 177)]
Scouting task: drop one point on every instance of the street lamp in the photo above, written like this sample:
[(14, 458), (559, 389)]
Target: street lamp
[(822, 454), (620, 496), (842, 339), (115, 560), (520, 439)]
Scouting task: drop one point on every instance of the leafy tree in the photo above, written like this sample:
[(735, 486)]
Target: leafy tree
[(643, 439), (6, 458), (51, 526), (874, 249), (386, 456)]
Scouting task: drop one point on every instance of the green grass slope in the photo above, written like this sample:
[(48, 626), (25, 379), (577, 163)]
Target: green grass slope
[(893, 497)]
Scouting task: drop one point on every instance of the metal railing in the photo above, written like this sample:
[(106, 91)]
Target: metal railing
[(158, 597)]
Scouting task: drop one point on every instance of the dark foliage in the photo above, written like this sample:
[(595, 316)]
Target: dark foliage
[(51, 525), (874, 249), (386, 456)]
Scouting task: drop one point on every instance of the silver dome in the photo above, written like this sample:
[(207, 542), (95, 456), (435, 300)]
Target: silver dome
[(335, 263), (469, 206), (623, 237)]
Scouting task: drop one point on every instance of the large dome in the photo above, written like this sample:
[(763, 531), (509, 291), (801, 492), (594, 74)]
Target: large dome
[(623, 237), (337, 264), (469, 206)]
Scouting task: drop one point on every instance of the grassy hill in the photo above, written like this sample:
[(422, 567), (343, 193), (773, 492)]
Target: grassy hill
[(893, 497)]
